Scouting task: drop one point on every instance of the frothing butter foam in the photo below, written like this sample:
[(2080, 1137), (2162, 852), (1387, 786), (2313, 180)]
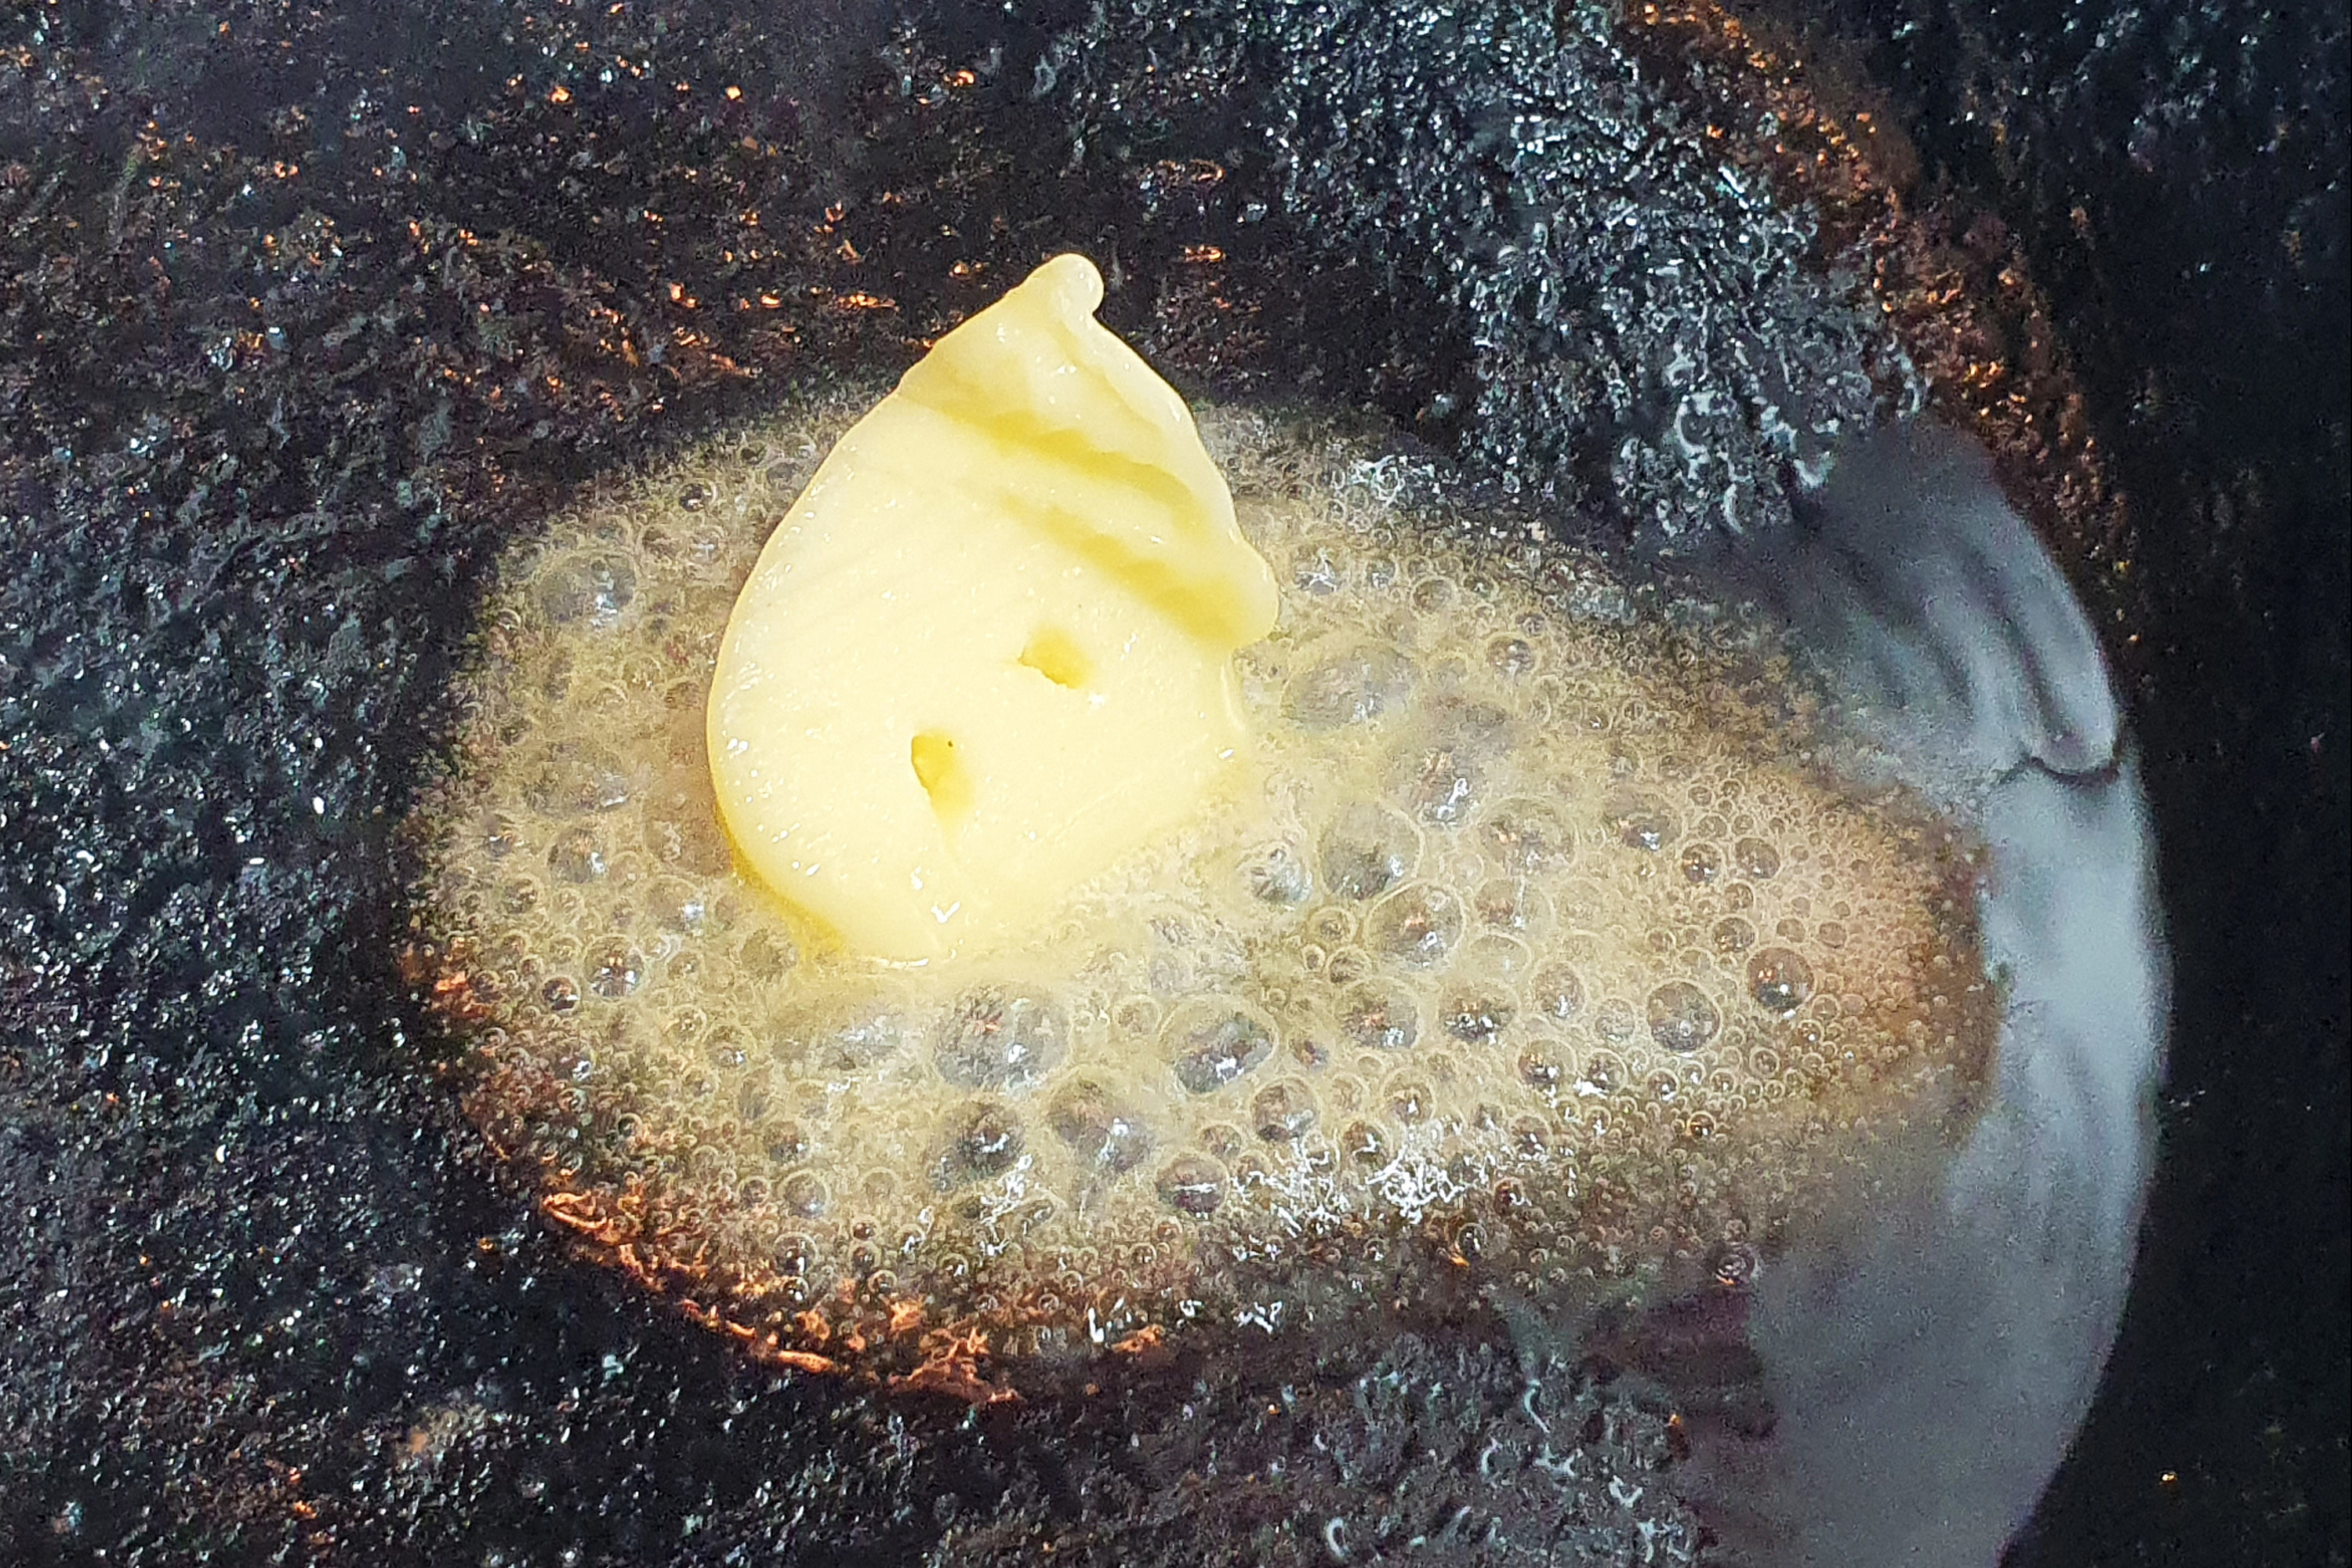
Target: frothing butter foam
[(1516, 948)]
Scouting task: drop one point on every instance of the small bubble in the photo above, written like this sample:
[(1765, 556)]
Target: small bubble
[(872, 1034), (576, 778), (1432, 594), (1539, 1069), (983, 1138), (1733, 935), (591, 590), (1527, 837), (996, 1038), (1318, 576), (1558, 992), (1779, 980), (1366, 851), (1362, 1143), (1701, 863), (1477, 1015), (1408, 1101), (1222, 1140), (767, 956), (1213, 1043), (1681, 1017), (1353, 686), (617, 973), (1756, 859), (803, 1194), (1511, 657), (693, 497), (1275, 874), (1440, 784), (1639, 822), (1380, 1016), (1192, 1184), (577, 856), (1282, 1112), (560, 994), (1417, 924), (1506, 903), (1102, 1131)]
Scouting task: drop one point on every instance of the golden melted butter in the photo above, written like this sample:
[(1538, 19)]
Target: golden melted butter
[(1523, 955)]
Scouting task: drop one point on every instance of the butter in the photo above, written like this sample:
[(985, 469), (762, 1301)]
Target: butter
[(989, 648)]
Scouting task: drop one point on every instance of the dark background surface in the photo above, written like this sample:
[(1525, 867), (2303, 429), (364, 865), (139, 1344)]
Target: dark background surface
[(307, 314)]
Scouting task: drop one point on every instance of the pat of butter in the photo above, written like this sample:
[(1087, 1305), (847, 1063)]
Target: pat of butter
[(989, 650)]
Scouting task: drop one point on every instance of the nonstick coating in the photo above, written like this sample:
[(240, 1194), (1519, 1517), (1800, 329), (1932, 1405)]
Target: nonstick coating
[(308, 312)]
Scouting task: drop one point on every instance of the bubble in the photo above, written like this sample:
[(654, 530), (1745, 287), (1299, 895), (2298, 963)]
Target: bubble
[(1192, 1184), (560, 994), (1408, 1101), (577, 856), (1367, 849), (1000, 1038), (803, 1194), (1477, 1014), (617, 973), (1681, 1017), (1527, 837), (1380, 1016), (983, 1138), (1353, 686), (1733, 935), (1211, 1043), (1556, 993), (1779, 980), (1639, 822), (870, 1032), (1511, 657), (1440, 784), (767, 957), (1756, 859), (1508, 904), (576, 778), (687, 837), (591, 590), (1417, 924), (1101, 1130), (1540, 1067), (1363, 1145), (1283, 1112), (1275, 874), (1701, 863)]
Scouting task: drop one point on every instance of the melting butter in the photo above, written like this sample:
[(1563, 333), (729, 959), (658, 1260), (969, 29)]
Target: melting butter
[(989, 651)]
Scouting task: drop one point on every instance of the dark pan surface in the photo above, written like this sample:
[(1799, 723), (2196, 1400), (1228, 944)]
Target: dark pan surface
[(308, 312)]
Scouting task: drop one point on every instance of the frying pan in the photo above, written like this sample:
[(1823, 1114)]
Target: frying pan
[(311, 315)]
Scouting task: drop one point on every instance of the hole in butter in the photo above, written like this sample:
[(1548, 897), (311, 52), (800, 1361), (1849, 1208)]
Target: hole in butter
[(1053, 654), (943, 776), (1031, 501)]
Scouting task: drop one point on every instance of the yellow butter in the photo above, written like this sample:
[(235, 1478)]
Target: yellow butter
[(989, 648)]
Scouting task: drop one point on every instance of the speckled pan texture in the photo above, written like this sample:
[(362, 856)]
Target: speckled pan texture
[(311, 317)]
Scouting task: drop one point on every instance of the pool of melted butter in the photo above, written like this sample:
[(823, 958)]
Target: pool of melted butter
[(1525, 952)]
